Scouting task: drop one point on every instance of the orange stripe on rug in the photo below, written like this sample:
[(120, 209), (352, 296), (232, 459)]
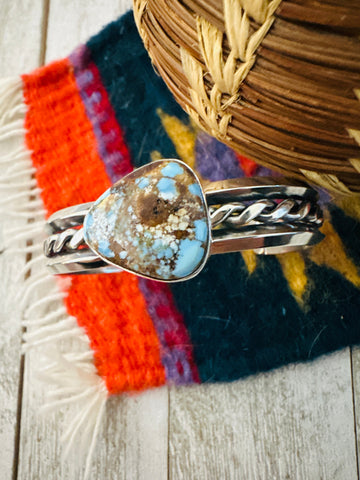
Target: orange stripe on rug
[(111, 308), (114, 314), (61, 139)]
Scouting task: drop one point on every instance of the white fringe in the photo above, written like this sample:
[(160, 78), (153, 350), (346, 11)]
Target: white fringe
[(20, 156), (68, 365)]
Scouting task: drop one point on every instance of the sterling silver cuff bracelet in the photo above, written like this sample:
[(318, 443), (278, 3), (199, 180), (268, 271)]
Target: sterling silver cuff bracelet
[(160, 222)]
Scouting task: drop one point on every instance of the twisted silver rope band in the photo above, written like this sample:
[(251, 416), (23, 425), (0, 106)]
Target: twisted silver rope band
[(238, 214), (65, 241), (265, 214), (231, 215)]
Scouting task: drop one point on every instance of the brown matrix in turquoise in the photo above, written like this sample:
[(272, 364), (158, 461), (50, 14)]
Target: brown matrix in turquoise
[(153, 222)]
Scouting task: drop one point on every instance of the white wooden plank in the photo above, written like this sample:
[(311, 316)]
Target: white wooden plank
[(293, 423), (133, 439), (20, 42), (73, 22), (355, 357), (132, 442), (20, 36)]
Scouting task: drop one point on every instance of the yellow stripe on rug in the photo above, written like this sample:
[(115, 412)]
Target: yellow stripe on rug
[(331, 253), (182, 136), (294, 270)]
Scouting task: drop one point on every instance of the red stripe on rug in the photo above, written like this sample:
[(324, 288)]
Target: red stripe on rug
[(111, 308), (249, 166)]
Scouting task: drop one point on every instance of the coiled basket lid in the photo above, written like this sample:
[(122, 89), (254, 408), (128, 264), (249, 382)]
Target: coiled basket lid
[(278, 81)]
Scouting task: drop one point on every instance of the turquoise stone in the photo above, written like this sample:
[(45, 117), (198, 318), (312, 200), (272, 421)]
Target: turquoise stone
[(153, 222)]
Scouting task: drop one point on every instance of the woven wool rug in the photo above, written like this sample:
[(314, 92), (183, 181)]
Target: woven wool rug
[(77, 126)]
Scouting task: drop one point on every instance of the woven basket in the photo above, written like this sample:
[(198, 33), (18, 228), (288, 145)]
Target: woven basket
[(278, 81)]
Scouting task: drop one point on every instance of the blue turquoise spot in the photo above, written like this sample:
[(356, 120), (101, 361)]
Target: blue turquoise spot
[(162, 274), (172, 169), (201, 230), (111, 217), (190, 255), (104, 248), (158, 243), (89, 221), (142, 182), (195, 189), (143, 251), (112, 269), (167, 188), (169, 252), (165, 253)]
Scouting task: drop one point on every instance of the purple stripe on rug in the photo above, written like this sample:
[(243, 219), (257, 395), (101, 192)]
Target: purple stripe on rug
[(214, 160), (110, 144), (176, 348)]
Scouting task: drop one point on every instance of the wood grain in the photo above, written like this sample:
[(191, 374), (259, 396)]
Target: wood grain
[(355, 364), (20, 42), (21, 36), (293, 423), (132, 443), (73, 22), (133, 439)]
